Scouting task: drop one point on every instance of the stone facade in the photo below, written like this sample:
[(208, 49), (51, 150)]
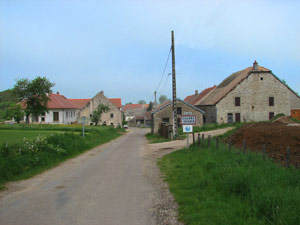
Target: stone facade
[(254, 93), (113, 117), (164, 114)]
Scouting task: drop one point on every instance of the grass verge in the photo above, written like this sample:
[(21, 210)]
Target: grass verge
[(28, 157), (155, 138), (215, 186)]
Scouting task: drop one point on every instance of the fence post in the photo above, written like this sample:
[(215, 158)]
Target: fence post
[(287, 158), (208, 141), (199, 139), (244, 147), (217, 142), (264, 152), (229, 145), (193, 137), (203, 143)]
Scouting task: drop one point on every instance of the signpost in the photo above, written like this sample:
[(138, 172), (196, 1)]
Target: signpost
[(187, 129), (188, 120)]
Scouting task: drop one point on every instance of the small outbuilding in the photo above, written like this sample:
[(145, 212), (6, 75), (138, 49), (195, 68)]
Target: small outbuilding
[(163, 114)]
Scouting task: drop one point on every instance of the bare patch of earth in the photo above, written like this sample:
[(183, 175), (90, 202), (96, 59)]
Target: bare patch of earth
[(165, 209)]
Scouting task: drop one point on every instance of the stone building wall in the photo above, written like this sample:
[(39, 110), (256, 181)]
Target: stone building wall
[(295, 101), (167, 112), (254, 93), (113, 117)]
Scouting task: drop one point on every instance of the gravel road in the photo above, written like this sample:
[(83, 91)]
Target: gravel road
[(114, 184)]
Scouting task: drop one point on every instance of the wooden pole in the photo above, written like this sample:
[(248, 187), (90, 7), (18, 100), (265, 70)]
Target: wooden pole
[(175, 129)]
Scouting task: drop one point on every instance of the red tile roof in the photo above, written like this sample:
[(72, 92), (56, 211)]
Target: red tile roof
[(80, 103), (193, 99), (59, 102), (116, 102), (134, 106)]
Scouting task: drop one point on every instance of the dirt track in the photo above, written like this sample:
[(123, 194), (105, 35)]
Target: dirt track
[(276, 136)]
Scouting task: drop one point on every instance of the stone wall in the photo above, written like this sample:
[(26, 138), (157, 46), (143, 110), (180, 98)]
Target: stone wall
[(168, 113), (210, 113), (254, 93), (113, 117), (295, 101)]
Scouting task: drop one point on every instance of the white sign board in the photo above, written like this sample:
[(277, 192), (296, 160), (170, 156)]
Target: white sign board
[(188, 120), (187, 113), (187, 128)]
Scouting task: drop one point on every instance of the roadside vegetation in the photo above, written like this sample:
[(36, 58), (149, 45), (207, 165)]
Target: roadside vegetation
[(156, 138), (28, 150), (218, 186)]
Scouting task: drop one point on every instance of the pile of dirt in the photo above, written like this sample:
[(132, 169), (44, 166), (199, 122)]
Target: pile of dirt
[(275, 136)]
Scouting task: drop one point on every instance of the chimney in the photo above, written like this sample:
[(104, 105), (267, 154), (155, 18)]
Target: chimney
[(255, 66), (196, 92), (58, 92)]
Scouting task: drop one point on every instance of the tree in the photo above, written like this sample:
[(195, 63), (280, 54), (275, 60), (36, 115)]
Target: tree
[(142, 102), (16, 112), (162, 99), (150, 107), (35, 94), (96, 116)]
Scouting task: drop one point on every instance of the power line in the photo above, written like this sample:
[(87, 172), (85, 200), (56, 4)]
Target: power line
[(164, 70), (165, 83)]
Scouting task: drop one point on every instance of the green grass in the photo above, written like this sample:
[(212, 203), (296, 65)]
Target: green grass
[(23, 158), (18, 135), (155, 138), (211, 126), (215, 186)]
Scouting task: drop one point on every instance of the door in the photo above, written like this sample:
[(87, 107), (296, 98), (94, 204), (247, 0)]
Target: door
[(229, 118), (238, 117)]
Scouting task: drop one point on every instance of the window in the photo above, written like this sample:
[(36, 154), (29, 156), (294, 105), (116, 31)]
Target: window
[(111, 115), (43, 119), (261, 78), (166, 120), (237, 101), (238, 117), (179, 111), (271, 101), (111, 124), (55, 116), (67, 114), (271, 115)]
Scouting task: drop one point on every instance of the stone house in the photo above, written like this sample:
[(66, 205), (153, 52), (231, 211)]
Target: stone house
[(131, 111), (253, 94), (164, 114), (113, 117)]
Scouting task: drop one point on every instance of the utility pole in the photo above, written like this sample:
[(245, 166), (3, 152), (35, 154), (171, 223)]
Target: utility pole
[(155, 98), (175, 129)]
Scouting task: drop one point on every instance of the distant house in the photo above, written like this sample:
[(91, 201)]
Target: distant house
[(252, 94), (60, 111), (164, 114), (134, 110), (113, 117)]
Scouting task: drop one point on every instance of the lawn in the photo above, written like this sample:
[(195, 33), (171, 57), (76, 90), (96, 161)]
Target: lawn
[(9, 136), (217, 186)]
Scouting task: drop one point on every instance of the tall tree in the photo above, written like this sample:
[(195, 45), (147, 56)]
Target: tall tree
[(150, 107), (15, 111), (35, 95), (96, 116), (162, 99), (142, 102)]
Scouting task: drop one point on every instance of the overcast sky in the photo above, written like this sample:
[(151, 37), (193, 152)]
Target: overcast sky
[(121, 46)]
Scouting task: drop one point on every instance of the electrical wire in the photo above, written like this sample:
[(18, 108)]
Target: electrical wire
[(164, 70)]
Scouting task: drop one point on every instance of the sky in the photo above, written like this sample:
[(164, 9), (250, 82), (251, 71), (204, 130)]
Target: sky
[(122, 46)]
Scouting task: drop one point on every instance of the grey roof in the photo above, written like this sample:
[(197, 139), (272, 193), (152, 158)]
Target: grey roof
[(164, 105)]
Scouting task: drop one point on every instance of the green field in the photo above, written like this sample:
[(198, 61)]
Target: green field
[(9, 136), (216, 186)]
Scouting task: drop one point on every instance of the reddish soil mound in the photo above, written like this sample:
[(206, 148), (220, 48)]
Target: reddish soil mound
[(276, 136), (284, 120)]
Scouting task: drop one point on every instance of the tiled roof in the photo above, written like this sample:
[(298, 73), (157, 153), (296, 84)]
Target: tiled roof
[(79, 103), (193, 99), (116, 102), (59, 102), (134, 106), (228, 85)]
